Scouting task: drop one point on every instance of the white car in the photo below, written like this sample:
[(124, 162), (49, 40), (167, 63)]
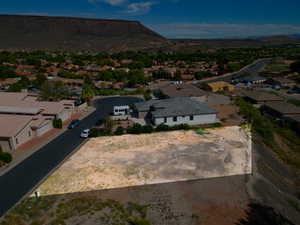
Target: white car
[(85, 133)]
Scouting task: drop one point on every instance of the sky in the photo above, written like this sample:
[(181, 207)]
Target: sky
[(178, 18)]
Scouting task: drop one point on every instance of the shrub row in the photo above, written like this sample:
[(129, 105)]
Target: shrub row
[(5, 156), (137, 129)]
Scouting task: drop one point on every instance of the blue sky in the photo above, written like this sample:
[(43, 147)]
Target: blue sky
[(179, 18)]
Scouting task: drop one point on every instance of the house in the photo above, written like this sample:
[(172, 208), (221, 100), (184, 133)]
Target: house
[(118, 85), (253, 80), (282, 82), (103, 84), (70, 82), (219, 86), (23, 117), (8, 81), (21, 129), (14, 131), (294, 121), (260, 97), (176, 111), (181, 90), (281, 109), (187, 77)]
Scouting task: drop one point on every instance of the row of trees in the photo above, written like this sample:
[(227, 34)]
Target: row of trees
[(146, 59)]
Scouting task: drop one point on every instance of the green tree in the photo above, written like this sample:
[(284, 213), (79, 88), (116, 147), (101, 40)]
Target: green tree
[(54, 91), (87, 93), (39, 80), (147, 95), (135, 129), (5, 156), (6, 72), (119, 131), (20, 85)]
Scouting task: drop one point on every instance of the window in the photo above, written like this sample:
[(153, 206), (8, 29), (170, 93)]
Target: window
[(165, 120), (17, 142), (29, 133), (175, 119), (191, 117)]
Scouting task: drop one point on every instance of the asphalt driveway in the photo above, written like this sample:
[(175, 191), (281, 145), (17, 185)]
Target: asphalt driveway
[(20, 180)]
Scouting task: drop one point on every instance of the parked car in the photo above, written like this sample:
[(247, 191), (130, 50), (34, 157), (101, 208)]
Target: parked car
[(74, 123), (85, 133)]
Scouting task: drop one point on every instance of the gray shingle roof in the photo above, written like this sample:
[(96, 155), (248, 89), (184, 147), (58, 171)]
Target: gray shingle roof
[(283, 107), (179, 106), (144, 106), (262, 96)]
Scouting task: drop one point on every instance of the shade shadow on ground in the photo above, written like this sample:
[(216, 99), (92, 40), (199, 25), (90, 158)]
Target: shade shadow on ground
[(207, 201)]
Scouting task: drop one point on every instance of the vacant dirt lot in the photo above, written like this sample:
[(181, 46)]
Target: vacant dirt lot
[(163, 159), (133, 160)]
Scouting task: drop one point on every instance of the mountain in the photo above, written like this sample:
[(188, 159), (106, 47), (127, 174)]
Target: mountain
[(66, 33), (280, 39), (297, 36), (250, 42)]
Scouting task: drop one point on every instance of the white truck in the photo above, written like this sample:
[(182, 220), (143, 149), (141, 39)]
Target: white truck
[(121, 110)]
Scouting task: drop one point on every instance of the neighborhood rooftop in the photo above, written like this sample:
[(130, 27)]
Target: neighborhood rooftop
[(283, 107), (262, 96), (25, 103), (179, 106), (12, 124)]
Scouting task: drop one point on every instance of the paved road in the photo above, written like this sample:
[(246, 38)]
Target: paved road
[(252, 69), (20, 180)]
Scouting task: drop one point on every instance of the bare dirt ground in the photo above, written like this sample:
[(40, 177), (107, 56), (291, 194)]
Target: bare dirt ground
[(229, 200), (132, 160)]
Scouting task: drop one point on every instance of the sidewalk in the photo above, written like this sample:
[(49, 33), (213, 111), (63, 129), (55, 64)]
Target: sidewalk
[(32, 146)]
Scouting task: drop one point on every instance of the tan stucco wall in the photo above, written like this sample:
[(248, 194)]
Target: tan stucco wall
[(23, 136), (5, 144)]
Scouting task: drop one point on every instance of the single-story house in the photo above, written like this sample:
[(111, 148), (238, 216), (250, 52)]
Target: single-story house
[(70, 82), (27, 104), (294, 121), (21, 129), (260, 97), (175, 111), (281, 109), (14, 131), (219, 86), (281, 81), (23, 117), (181, 90)]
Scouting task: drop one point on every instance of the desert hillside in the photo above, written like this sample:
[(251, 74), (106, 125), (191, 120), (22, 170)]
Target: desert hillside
[(56, 33)]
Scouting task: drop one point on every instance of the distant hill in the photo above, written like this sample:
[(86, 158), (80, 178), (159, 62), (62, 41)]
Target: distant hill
[(22, 32), (57, 33), (281, 39), (251, 42)]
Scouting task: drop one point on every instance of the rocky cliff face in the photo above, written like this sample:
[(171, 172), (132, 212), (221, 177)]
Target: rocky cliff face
[(64, 33)]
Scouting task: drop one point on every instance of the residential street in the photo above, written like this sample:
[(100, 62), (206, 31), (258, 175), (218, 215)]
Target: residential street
[(252, 69), (20, 180)]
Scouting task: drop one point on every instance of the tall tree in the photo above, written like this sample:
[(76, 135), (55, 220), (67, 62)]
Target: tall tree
[(54, 91), (87, 93)]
